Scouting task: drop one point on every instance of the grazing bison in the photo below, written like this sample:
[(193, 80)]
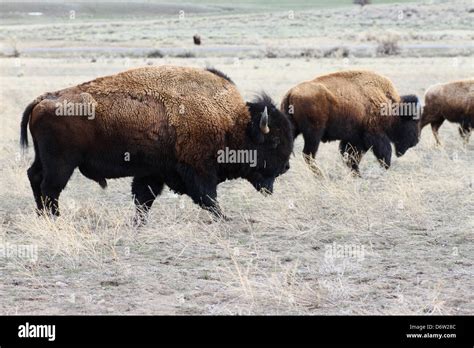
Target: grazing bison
[(161, 125), (359, 108), (452, 101)]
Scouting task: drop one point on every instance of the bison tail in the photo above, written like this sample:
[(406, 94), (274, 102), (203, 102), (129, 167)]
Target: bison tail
[(102, 183), (285, 103), (24, 123)]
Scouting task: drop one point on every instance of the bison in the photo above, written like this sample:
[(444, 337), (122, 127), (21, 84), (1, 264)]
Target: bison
[(360, 108), (197, 39), (161, 125), (453, 101)]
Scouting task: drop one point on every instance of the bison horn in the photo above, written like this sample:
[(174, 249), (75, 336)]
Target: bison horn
[(264, 122)]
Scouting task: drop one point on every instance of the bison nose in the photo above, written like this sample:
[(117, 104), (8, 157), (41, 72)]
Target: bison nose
[(287, 166)]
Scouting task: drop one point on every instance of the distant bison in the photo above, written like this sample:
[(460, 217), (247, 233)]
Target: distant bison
[(452, 101), (161, 125), (360, 108), (197, 39)]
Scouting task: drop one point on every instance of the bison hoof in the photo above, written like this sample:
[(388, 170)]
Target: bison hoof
[(221, 217), (218, 217), (47, 213), (355, 174)]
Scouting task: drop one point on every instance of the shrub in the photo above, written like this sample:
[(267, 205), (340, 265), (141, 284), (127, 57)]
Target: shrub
[(361, 2), (186, 54), (155, 54), (388, 47), (337, 52)]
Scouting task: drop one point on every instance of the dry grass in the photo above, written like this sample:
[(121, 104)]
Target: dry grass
[(414, 222)]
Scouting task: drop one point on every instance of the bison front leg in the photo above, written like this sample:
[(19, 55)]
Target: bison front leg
[(206, 196), (465, 131), (381, 148), (144, 190), (352, 155), (202, 189), (208, 201)]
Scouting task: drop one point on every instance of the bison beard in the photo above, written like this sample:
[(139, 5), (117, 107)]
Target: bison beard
[(161, 125)]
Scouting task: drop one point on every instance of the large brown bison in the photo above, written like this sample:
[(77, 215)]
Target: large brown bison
[(161, 125), (453, 101), (360, 108)]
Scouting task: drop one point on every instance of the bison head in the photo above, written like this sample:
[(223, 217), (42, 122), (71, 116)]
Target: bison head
[(406, 131), (270, 134)]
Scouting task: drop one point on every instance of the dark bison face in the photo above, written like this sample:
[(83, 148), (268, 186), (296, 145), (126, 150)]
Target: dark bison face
[(406, 132), (271, 136)]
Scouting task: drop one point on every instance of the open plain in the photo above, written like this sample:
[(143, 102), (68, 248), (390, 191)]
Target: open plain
[(392, 242)]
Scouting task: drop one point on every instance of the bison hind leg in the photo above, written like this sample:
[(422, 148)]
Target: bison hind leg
[(56, 170), (55, 178), (435, 128), (144, 190), (312, 139), (35, 175)]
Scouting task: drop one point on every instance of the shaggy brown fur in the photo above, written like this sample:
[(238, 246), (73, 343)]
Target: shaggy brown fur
[(347, 106), (184, 114), (169, 121), (142, 104), (453, 101)]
